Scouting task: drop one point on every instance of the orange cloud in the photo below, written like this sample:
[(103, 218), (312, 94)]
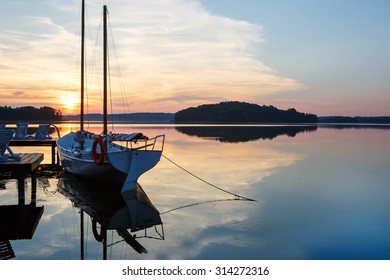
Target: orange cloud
[(172, 55)]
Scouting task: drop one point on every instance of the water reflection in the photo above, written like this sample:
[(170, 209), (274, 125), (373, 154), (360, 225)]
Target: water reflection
[(356, 126), (18, 221), (321, 195), (236, 134), (110, 211)]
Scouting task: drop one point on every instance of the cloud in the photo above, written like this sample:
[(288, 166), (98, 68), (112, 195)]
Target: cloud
[(18, 93), (181, 52), (173, 50), (34, 54)]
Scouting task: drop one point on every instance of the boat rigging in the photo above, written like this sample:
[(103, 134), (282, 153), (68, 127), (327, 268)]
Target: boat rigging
[(118, 159)]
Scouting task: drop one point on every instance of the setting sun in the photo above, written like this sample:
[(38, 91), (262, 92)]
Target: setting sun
[(69, 102)]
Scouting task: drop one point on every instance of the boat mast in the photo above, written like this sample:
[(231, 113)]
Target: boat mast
[(82, 65), (104, 69)]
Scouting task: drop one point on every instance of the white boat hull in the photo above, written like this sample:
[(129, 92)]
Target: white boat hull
[(121, 165)]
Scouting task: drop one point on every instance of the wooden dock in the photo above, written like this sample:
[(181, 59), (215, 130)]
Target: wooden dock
[(19, 221), (6, 251), (32, 142), (20, 170)]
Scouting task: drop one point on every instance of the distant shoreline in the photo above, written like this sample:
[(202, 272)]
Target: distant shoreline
[(125, 118), (168, 118), (355, 120)]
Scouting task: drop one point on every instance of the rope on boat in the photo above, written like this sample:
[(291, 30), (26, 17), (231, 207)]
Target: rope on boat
[(238, 197)]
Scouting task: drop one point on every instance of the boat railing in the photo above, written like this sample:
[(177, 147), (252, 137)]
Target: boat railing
[(151, 143), (162, 143), (154, 143)]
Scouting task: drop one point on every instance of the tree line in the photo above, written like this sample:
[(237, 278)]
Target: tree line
[(237, 134), (29, 113), (355, 120), (241, 112)]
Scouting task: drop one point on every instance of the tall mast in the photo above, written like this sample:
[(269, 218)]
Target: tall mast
[(82, 65), (104, 69)]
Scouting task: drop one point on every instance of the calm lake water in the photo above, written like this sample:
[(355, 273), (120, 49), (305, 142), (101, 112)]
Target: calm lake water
[(321, 192)]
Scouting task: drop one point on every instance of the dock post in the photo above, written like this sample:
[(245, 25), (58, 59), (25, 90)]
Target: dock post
[(33, 188), (20, 170), (53, 154), (81, 234), (104, 244), (21, 193)]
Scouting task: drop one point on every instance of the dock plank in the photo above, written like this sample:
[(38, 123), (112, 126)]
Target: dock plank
[(28, 163), (33, 142), (42, 143)]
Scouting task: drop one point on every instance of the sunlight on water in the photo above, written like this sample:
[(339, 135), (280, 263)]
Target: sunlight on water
[(321, 193)]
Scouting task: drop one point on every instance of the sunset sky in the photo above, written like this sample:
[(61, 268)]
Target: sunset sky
[(327, 57)]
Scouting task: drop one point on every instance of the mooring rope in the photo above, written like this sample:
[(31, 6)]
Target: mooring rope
[(238, 197), (198, 203)]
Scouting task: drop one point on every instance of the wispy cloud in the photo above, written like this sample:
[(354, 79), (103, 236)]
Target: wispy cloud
[(34, 54), (18, 93), (172, 54)]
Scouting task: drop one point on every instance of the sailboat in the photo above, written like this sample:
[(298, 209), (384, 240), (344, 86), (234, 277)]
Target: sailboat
[(115, 158)]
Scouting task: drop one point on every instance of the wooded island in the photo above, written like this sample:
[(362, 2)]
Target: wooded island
[(241, 112)]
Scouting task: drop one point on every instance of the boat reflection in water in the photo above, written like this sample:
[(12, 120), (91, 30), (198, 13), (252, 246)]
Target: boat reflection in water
[(109, 210)]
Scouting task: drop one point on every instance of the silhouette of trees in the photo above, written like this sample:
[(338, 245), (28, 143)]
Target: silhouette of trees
[(29, 113), (241, 112), (354, 120), (242, 133)]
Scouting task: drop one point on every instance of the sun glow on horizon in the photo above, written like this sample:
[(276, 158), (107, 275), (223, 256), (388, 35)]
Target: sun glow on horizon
[(69, 103)]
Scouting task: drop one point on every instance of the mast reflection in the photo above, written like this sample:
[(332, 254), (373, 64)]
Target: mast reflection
[(110, 211)]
